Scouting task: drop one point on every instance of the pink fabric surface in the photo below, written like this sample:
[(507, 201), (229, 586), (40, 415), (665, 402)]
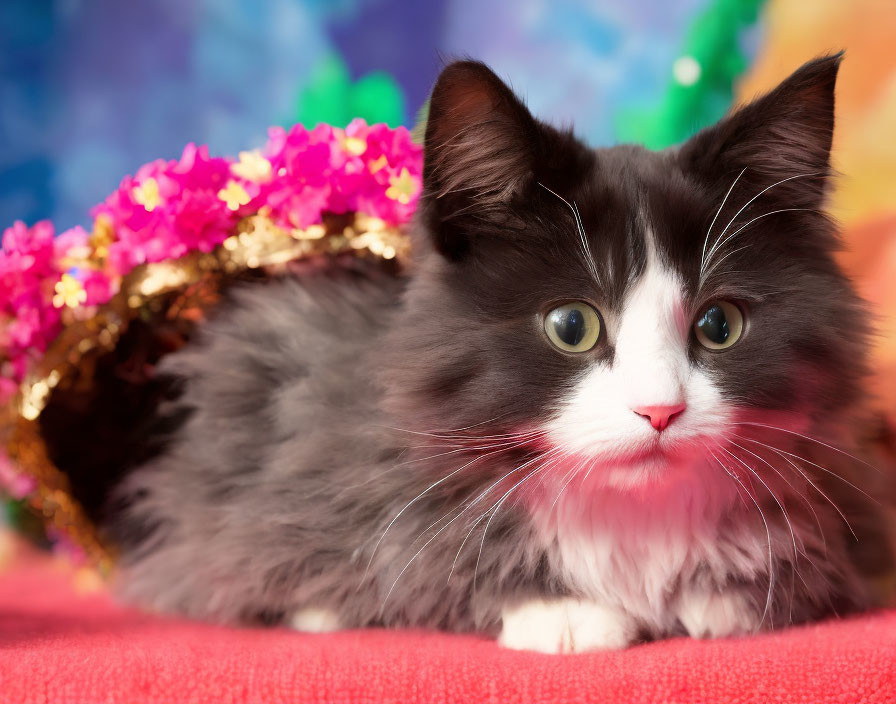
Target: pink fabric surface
[(60, 644)]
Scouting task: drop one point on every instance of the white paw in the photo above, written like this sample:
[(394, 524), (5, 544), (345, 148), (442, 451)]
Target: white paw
[(564, 626), (595, 627), (536, 625), (315, 621), (716, 614)]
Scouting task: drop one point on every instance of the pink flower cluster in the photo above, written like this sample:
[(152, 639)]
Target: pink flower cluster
[(171, 208), (28, 270), (168, 209), (367, 169)]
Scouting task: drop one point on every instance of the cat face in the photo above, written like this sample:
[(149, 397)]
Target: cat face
[(629, 309)]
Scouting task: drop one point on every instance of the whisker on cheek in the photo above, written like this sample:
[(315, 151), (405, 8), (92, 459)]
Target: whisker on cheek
[(419, 496), (449, 523), (811, 439), (486, 513), (496, 507), (797, 553), (796, 468), (771, 562)]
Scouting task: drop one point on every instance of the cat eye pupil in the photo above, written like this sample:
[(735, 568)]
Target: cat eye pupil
[(569, 325), (714, 324), (573, 327), (719, 326)]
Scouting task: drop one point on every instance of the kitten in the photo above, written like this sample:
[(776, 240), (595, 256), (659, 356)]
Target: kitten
[(607, 403)]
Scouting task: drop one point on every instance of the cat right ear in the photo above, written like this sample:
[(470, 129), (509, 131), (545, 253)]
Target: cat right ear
[(781, 141), (479, 149)]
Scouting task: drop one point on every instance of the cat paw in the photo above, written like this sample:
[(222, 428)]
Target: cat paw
[(314, 621), (565, 626), (717, 614), (536, 625)]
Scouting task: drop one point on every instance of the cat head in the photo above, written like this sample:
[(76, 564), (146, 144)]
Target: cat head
[(629, 309)]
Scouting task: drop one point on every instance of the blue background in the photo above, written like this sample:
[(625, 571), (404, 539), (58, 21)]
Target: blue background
[(89, 90)]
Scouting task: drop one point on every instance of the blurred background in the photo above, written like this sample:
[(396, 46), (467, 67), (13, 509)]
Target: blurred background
[(92, 89)]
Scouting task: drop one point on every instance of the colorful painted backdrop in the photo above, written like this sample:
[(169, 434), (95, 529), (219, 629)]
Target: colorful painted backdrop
[(864, 199), (91, 89)]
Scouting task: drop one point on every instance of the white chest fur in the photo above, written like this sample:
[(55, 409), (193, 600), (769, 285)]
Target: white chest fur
[(633, 549)]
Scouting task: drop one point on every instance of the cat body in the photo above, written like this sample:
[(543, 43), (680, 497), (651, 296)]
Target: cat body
[(609, 401)]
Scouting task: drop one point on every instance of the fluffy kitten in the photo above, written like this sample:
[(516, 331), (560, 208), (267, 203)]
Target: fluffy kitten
[(607, 402)]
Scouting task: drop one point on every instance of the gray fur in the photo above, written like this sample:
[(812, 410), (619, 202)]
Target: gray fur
[(275, 492)]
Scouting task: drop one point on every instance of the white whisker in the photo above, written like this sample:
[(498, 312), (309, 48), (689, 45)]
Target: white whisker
[(438, 532), (417, 498), (484, 514), (586, 248), (796, 491), (494, 512), (797, 553), (572, 475), (456, 434), (832, 473), (712, 224), (749, 202), (506, 445), (771, 569), (808, 479), (716, 265), (721, 244), (811, 439)]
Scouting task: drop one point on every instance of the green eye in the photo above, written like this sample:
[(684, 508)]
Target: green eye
[(573, 327), (719, 326)]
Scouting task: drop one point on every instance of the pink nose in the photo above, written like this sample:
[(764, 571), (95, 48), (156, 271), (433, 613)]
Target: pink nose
[(660, 416)]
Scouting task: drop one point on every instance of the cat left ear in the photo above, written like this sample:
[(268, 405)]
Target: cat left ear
[(479, 151), (479, 135), (781, 140)]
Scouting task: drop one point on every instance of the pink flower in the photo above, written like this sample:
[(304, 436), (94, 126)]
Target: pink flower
[(170, 208), (300, 189), (14, 482), (332, 170), (99, 287), (196, 170), (27, 274), (21, 239), (202, 221), (71, 243)]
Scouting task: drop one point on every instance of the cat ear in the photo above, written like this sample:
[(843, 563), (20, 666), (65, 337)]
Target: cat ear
[(479, 148), (781, 141), (479, 135)]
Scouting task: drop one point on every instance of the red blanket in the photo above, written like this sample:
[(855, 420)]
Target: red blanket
[(62, 642)]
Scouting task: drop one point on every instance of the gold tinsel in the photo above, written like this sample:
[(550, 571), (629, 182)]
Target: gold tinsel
[(258, 243)]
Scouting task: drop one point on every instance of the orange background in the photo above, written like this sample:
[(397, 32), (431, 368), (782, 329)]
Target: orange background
[(864, 197)]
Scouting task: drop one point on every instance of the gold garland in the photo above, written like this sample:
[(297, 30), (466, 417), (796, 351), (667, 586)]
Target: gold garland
[(258, 243)]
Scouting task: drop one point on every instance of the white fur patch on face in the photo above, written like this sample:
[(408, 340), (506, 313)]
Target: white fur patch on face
[(598, 424), (630, 509)]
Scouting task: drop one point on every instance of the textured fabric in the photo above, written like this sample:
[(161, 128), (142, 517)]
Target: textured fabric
[(60, 642)]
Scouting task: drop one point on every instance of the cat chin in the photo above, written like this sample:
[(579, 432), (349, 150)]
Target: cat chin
[(634, 471)]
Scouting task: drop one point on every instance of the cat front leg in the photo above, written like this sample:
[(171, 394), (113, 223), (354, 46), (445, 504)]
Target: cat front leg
[(565, 626), (707, 613)]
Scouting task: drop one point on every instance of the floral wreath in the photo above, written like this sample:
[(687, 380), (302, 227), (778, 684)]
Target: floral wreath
[(166, 240)]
